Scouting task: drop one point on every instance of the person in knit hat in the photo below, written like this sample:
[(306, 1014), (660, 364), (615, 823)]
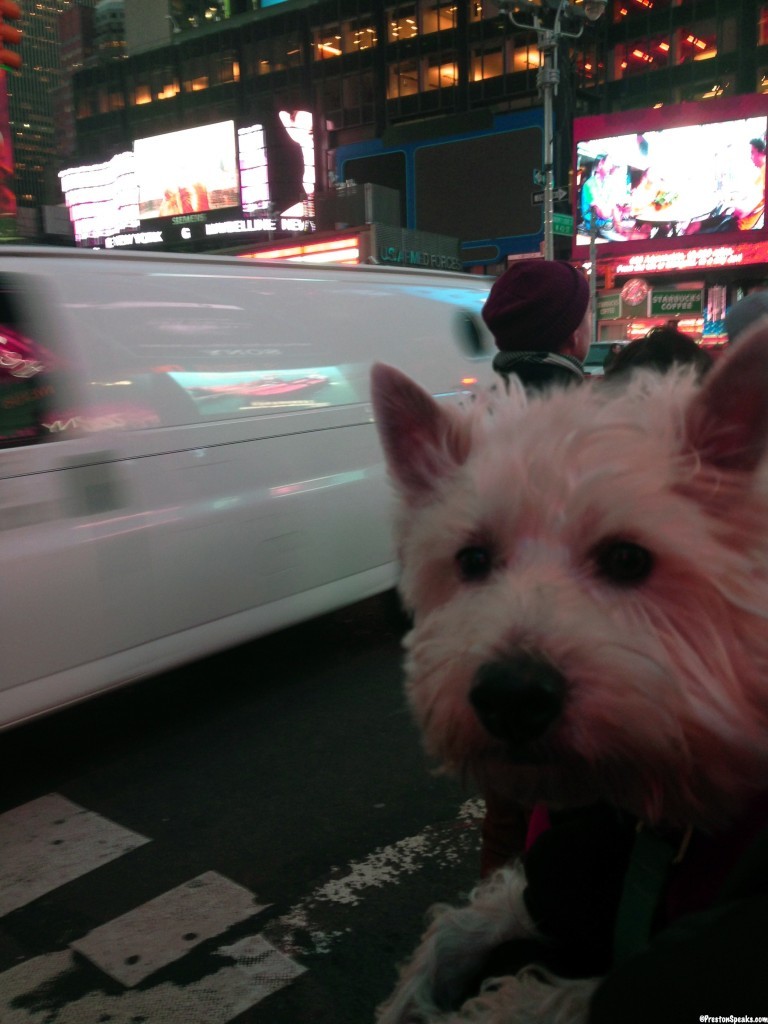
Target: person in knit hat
[(539, 314)]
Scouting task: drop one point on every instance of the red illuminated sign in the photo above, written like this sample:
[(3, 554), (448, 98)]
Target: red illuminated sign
[(691, 259), (9, 36)]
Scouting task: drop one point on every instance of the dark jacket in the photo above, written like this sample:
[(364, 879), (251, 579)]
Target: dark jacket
[(706, 946)]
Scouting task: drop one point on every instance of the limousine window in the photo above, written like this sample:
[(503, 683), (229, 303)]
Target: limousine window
[(191, 360), (25, 389)]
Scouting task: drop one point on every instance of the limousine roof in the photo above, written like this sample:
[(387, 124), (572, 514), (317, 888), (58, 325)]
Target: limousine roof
[(8, 252)]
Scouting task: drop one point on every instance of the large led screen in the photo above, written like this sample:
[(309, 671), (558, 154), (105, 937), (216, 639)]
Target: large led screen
[(656, 179), (189, 171)]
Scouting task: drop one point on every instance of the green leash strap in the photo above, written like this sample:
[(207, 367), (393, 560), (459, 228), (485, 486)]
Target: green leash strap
[(644, 881)]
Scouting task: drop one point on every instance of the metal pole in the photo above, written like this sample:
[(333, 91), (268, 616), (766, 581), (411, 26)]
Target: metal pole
[(548, 79)]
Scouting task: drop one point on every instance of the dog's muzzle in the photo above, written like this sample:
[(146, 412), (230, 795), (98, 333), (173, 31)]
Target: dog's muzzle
[(519, 698)]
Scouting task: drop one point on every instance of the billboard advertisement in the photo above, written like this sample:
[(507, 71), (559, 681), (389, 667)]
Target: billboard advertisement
[(102, 199), (186, 186), (189, 171), (666, 178), (7, 187)]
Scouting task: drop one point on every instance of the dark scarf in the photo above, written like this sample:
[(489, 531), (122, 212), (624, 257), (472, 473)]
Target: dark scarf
[(539, 369)]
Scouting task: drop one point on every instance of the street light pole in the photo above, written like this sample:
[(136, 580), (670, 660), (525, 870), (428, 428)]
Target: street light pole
[(548, 79)]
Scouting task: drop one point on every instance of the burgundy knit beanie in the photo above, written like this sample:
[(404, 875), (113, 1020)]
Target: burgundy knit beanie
[(536, 305)]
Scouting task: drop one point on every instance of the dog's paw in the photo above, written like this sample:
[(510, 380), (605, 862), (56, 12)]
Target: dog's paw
[(534, 996), (447, 967)]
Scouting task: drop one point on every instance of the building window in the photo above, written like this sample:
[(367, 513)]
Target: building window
[(331, 101), (195, 72), (168, 91), (588, 68), (482, 10), (524, 58), (487, 62), (258, 57), (401, 23), (359, 34), (403, 79), (439, 16), (641, 56), (291, 49), (225, 69), (441, 73), (328, 43), (626, 8), (699, 43)]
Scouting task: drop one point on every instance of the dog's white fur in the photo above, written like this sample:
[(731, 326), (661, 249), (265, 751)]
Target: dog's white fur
[(667, 699)]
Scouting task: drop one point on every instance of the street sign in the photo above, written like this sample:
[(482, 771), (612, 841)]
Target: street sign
[(562, 224), (558, 195)]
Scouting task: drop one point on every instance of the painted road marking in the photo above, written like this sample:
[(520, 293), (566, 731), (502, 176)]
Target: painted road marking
[(51, 841), (311, 917), (135, 945), (242, 974)]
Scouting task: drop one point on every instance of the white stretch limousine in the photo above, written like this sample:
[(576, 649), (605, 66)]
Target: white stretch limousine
[(187, 457)]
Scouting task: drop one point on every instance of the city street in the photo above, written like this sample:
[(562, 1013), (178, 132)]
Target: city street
[(253, 838)]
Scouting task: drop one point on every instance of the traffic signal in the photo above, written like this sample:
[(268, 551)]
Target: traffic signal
[(10, 59)]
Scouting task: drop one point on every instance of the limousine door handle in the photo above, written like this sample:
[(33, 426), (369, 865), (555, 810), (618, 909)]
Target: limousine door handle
[(93, 483)]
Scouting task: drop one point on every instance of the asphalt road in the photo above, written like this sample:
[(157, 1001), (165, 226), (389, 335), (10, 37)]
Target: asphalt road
[(253, 838)]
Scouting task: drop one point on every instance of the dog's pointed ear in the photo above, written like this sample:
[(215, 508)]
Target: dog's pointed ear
[(727, 421), (422, 440)]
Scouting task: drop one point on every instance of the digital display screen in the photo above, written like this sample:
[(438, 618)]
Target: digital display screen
[(189, 171), (663, 185), (102, 199)]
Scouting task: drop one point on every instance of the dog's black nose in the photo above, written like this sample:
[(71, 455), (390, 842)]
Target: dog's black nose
[(517, 699)]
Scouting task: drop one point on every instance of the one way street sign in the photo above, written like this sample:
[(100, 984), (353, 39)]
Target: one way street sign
[(558, 195)]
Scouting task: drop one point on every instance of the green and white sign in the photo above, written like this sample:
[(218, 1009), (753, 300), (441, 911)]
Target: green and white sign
[(609, 306), (676, 302)]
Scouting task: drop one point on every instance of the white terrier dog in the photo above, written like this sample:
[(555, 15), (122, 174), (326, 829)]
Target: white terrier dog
[(588, 575)]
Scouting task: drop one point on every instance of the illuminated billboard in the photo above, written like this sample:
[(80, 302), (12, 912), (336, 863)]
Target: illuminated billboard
[(102, 199), (199, 182), (277, 164), (190, 171), (670, 178), (7, 189)]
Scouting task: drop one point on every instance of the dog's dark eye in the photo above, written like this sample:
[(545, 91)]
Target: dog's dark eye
[(622, 562), (474, 563)]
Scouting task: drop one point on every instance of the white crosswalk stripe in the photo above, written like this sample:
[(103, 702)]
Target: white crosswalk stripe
[(51, 841), (250, 970), (157, 933)]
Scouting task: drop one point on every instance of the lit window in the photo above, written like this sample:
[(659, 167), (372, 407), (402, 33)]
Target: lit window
[(526, 57), (442, 76)]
